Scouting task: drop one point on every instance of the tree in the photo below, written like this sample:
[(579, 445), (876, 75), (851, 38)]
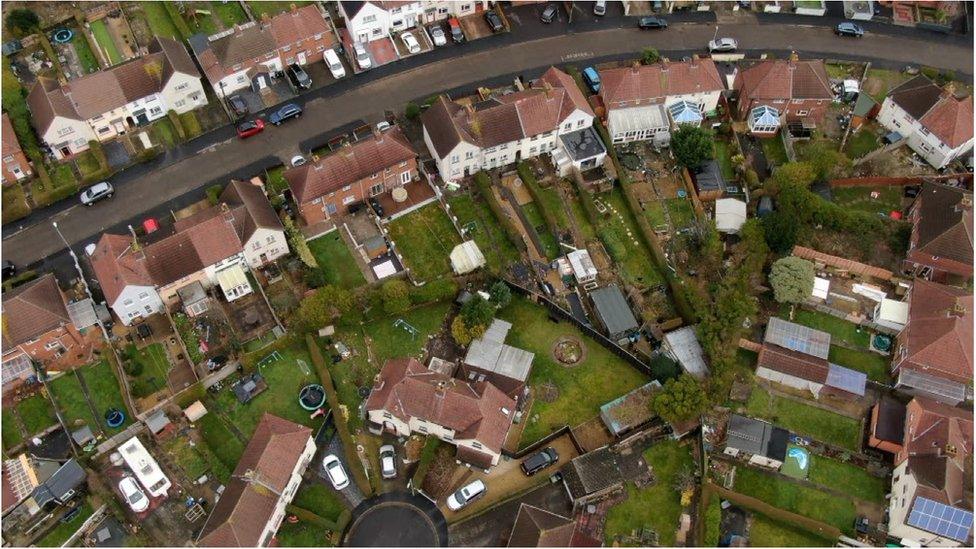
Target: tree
[(826, 161), (411, 111), (322, 307), (23, 21), (463, 334), (792, 279), (680, 399), (650, 56), (692, 145), (501, 294), (396, 296), (781, 231), (477, 312)]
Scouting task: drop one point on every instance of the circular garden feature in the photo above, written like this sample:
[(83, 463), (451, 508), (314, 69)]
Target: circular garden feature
[(312, 397), (568, 351), (114, 418)]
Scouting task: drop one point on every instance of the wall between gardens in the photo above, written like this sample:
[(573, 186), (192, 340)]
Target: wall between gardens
[(897, 181)]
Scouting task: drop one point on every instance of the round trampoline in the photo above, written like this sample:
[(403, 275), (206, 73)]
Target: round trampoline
[(114, 418), (882, 342), (62, 36), (397, 519), (312, 397)]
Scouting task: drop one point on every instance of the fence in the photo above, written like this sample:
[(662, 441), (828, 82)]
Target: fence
[(880, 181), (564, 430), (816, 527)]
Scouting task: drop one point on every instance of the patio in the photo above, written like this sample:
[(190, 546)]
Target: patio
[(418, 193)]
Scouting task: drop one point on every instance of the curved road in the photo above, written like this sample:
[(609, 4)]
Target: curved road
[(176, 178)]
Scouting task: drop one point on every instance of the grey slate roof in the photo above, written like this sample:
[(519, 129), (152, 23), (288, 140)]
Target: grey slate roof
[(592, 473), (613, 310), (583, 144), (491, 354), (756, 437), (69, 477)]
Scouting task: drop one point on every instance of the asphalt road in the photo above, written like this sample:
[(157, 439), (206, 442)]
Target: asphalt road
[(179, 177)]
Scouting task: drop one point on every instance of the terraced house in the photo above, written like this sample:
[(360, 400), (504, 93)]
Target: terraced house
[(106, 104), (467, 136)]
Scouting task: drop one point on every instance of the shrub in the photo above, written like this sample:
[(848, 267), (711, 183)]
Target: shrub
[(649, 56), (412, 110), (213, 194), (314, 277), (525, 173), (177, 124), (23, 21), (178, 20), (396, 296)]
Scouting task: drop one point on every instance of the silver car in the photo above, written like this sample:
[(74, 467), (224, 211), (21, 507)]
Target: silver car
[(362, 56), (723, 45), (97, 192), (388, 461), (438, 36)]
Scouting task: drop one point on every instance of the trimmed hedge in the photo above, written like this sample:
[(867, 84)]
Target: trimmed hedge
[(483, 182), (177, 123)]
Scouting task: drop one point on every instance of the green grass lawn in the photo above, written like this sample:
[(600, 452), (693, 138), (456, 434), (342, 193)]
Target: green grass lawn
[(485, 229), (766, 532), (159, 21), (229, 13), (853, 480), (713, 521), (164, 133), (72, 402), (637, 268), (841, 331), (87, 58), (878, 82), (724, 156), (806, 420), (189, 458), (63, 184), (425, 238), (598, 379), (859, 198), (14, 201), (657, 507), (64, 530), (336, 261), (802, 500), (775, 151), (148, 369), (103, 387), (10, 428), (861, 143), (226, 447), (874, 365), (36, 413), (682, 212), (104, 39), (87, 163), (586, 228), (320, 499), (259, 9), (201, 22), (550, 247), (276, 180), (303, 534), (654, 211)]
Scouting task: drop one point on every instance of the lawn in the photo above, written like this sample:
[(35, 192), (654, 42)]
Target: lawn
[(549, 245), (15, 204), (87, 163), (319, 499), (874, 365), (226, 447), (878, 82), (861, 143), (259, 9), (657, 506), (806, 420), (159, 20), (36, 413), (63, 184), (713, 520), (229, 13), (842, 332), (64, 530), (276, 180), (721, 150), (104, 40), (336, 261), (425, 238), (598, 379), (859, 198), (302, 534), (104, 389), (85, 54), (766, 532), (637, 267), (11, 430), (189, 458), (775, 151), (682, 212), (583, 222), (485, 229), (147, 368), (164, 133), (72, 402), (793, 497), (853, 480)]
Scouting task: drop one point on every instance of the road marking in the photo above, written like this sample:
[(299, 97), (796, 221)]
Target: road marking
[(577, 55)]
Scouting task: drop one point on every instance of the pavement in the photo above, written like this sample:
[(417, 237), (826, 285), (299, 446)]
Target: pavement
[(179, 177), (397, 519)]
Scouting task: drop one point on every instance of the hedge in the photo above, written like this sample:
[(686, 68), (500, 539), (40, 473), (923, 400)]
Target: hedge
[(483, 182), (178, 20), (177, 123), (525, 173)]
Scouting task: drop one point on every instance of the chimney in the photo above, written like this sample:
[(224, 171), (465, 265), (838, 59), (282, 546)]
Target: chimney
[(635, 67), (664, 64), (958, 308), (949, 90), (694, 61), (965, 203), (794, 57)]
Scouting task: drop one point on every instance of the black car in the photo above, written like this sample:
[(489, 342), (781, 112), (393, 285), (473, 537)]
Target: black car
[(238, 105), (299, 77), (549, 14), (647, 23), (494, 22), (539, 461), (9, 269)]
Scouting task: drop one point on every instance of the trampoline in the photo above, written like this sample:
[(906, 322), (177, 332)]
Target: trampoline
[(797, 464), (114, 418), (312, 397), (62, 36), (881, 342)]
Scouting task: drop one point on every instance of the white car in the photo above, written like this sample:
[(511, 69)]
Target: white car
[(362, 56), (133, 495), (467, 494), (412, 45), (438, 36), (723, 45), (337, 474), (335, 66), (298, 160), (388, 461)]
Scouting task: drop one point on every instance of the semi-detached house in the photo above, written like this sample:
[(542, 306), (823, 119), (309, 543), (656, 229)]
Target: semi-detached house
[(465, 138), (15, 164), (377, 19), (105, 104), (783, 91), (941, 243)]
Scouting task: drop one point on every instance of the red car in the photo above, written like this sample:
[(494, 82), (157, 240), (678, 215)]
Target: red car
[(249, 128)]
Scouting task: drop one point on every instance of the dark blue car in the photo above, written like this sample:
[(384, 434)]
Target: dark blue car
[(290, 110)]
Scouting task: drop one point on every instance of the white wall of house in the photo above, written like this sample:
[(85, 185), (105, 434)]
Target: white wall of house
[(903, 488), (418, 425), (232, 83), (286, 497), (405, 16), (135, 302), (790, 381), (70, 134), (439, 10), (270, 243), (183, 93), (707, 100), (577, 120), (923, 142), (371, 23)]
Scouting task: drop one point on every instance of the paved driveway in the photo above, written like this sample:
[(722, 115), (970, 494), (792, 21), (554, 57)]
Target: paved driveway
[(492, 528)]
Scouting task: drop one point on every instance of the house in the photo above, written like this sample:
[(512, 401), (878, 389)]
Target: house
[(759, 442), (592, 476), (637, 98), (474, 416), (213, 247), (931, 490), (465, 137), (941, 243), (796, 356), (108, 103), (58, 489), (264, 482), (579, 151), (934, 355), (796, 92), (376, 19), (682, 345), (490, 359), (887, 425), (37, 328), (247, 55), (15, 163), (614, 313), (439, 10), (535, 527), (730, 215), (937, 124), (329, 187)]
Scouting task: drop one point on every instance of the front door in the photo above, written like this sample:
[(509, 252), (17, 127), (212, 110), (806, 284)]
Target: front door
[(301, 58), (364, 37)]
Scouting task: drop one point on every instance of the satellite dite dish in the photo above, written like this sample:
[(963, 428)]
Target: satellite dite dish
[(399, 195)]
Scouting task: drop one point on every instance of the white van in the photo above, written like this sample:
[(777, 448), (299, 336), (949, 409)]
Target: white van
[(335, 66)]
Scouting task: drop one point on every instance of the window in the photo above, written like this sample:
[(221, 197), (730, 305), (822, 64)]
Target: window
[(348, 200), (422, 429), (388, 171), (183, 86), (104, 130), (317, 200), (179, 103), (469, 155), (376, 189), (476, 445), (155, 110), (568, 126), (387, 415), (269, 240), (375, 175), (127, 302), (241, 79), (802, 113), (144, 296), (395, 10), (454, 159), (52, 345), (286, 48), (256, 246), (331, 208), (580, 123), (369, 19), (405, 178), (377, 32)]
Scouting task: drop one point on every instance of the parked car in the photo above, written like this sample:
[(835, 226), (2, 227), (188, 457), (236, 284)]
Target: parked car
[(334, 469), (410, 42), (494, 22), (9, 269), (438, 36), (592, 79), (458, 500), (849, 29), (298, 160), (549, 13), (539, 461), (722, 45), (285, 113), (600, 7), (648, 23), (299, 77), (388, 461), (238, 105), (383, 125), (456, 33), (335, 66), (134, 496), (362, 56), (250, 128), (97, 192)]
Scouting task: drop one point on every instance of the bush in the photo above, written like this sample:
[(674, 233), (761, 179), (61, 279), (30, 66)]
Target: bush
[(396, 296), (178, 20), (649, 56), (426, 458), (314, 277), (213, 194), (177, 124), (412, 110), (23, 22)]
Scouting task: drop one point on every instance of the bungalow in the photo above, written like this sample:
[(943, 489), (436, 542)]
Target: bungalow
[(263, 484), (490, 359), (466, 137), (535, 527), (409, 398), (934, 356), (15, 164), (329, 187), (937, 124), (639, 99), (759, 442), (941, 243), (780, 91), (108, 103), (246, 55)]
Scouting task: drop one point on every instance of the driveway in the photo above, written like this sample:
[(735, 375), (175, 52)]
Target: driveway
[(492, 528)]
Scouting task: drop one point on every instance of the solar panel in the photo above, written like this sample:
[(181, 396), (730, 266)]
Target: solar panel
[(797, 337), (846, 379), (941, 519)]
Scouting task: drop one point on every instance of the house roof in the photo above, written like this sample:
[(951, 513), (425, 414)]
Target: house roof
[(247, 207), (793, 363), (262, 474), (631, 409), (613, 310), (938, 444), (655, 82), (916, 96), (784, 79), (32, 310), (592, 472), (890, 423), (9, 137), (479, 411), (949, 117), (944, 223), (756, 437), (938, 338), (349, 164), (535, 527), (67, 478)]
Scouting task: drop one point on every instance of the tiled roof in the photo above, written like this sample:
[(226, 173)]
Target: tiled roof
[(32, 310), (784, 79), (944, 226), (47, 101), (349, 164), (535, 527), (247, 206), (793, 363), (949, 117), (116, 266), (653, 83), (938, 445), (916, 96), (592, 472), (9, 137), (938, 338)]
